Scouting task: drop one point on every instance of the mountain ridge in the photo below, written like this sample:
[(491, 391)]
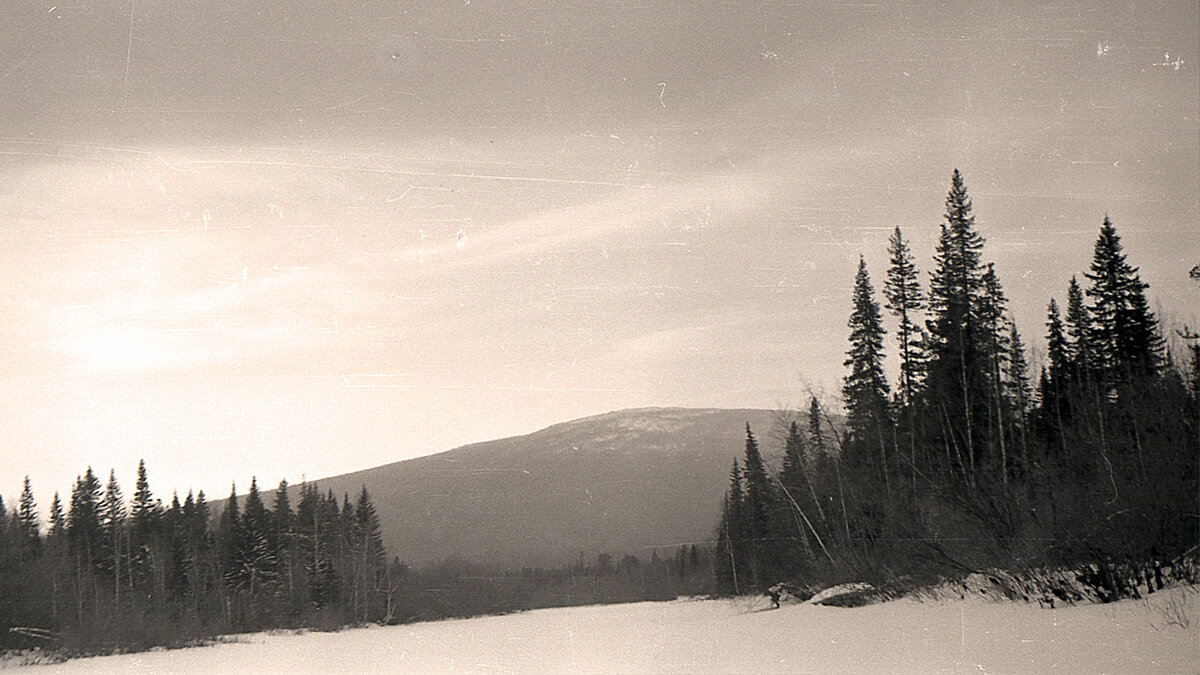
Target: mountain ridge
[(628, 481)]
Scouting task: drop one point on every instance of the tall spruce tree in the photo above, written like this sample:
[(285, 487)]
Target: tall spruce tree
[(370, 560), (760, 501), (956, 373), (994, 350), (282, 516), (795, 474), (112, 520), (793, 470), (231, 541), (58, 522), (283, 536), (143, 512), (991, 309), (1058, 353), (1080, 357), (731, 534), (257, 553), (254, 512), (83, 521), (1019, 390), (905, 301), (1054, 385), (1124, 332), (145, 515), (27, 517), (865, 389), (816, 437)]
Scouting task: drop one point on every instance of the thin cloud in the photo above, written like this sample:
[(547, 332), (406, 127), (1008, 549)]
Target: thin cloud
[(163, 326)]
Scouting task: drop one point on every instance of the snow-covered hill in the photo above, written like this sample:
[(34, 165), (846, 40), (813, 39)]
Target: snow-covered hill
[(728, 636)]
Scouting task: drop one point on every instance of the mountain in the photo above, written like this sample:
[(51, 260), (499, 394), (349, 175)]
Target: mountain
[(622, 482)]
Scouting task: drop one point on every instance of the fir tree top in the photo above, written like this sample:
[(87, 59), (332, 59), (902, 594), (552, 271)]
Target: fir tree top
[(1123, 331)]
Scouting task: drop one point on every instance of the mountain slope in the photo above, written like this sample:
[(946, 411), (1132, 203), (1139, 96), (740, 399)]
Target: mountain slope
[(617, 483)]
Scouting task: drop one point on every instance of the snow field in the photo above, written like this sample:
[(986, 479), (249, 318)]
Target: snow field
[(727, 636)]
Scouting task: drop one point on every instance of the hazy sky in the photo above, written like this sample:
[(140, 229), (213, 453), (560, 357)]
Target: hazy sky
[(297, 238)]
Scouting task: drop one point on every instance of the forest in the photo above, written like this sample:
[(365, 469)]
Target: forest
[(1080, 475), (106, 576)]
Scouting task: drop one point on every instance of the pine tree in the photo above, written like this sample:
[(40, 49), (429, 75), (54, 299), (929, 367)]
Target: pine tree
[(761, 509), (1080, 356), (112, 520), (175, 549), (232, 542), (1054, 383), (1124, 332), (27, 517), (1058, 352), (345, 527), (760, 497), (865, 389), (793, 470), (956, 373), (991, 309), (318, 516), (282, 511), (204, 565), (816, 437), (284, 536), (257, 553), (144, 516), (994, 350), (794, 474), (57, 559), (143, 512), (83, 521), (58, 522), (202, 514), (254, 512), (904, 299), (371, 559), (232, 512), (800, 500), (736, 502), (192, 542), (731, 535), (1019, 389)]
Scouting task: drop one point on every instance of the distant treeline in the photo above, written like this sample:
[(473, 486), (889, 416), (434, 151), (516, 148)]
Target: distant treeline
[(107, 576), (971, 462), (459, 588)]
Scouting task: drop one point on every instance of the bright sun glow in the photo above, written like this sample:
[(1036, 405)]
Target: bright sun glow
[(121, 350)]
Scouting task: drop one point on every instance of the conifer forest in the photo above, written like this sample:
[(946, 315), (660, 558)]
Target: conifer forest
[(972, 461), (107, 574)]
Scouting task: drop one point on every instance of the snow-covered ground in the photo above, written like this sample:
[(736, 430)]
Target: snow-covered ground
[(727, 636)]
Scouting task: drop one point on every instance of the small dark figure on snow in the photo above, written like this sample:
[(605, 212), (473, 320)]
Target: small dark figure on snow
[(774, 593)]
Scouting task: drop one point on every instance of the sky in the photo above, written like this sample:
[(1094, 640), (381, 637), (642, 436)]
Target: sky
[(291, 239)]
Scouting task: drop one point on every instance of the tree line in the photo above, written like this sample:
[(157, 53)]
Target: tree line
[(106, 575), (970, 461), (461, 588)]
